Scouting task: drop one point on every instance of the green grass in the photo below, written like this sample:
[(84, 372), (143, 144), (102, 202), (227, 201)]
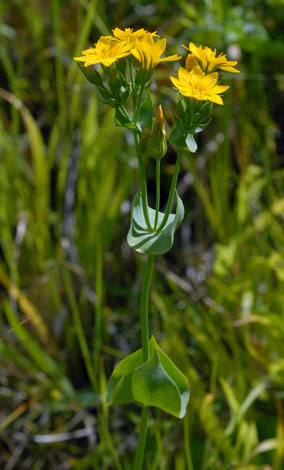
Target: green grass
[(70, 285)]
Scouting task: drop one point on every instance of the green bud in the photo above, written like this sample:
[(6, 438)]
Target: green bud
[(158, 142), (91, 74)]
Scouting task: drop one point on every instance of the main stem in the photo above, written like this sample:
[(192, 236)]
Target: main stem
[(144, 301)]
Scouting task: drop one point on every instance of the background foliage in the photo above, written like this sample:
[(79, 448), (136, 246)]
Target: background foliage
[(70, 284)]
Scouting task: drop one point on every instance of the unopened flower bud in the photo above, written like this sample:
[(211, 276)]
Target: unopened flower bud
[(158, 142)]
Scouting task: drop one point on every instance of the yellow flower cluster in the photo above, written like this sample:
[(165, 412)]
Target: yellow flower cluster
[(199, 78), (141, 44)]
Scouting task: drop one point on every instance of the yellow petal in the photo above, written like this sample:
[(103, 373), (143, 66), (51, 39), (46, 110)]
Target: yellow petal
[(190, 62), (91, 62), (216, 99), (220, 89), (197, 70), (81, 59), (171, 58), (228, 68), (175, 81), (161, 45)]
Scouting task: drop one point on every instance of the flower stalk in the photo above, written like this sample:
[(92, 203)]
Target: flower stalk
[(143, 179), (157, 206)]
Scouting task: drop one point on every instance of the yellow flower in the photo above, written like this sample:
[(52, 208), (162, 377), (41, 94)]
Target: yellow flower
[(208, 61), (105, 52), (149, 52), (129, 35), (195, 84)]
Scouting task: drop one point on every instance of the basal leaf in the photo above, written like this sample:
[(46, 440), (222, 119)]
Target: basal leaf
[(152, 243)]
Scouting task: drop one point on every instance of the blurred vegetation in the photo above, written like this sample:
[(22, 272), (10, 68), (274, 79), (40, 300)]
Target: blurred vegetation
[(69, 284)]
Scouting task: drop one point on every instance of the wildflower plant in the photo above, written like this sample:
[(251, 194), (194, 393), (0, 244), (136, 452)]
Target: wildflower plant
[(128, 59)]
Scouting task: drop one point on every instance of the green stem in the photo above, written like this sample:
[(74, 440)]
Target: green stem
[(142, 439), (137, 109), (158, 164), (132, 82), (143, 179), (144, 301), (124, 112), (144, 306), (172, 191)]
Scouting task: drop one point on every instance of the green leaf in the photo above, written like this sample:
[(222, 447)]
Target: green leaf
[(146, 113), (191, 144), (122, 370), (177, 376), (201, 127), (152, 386), (184, 141), (176, 136), (152, 243), (123, 121), (156, 382)]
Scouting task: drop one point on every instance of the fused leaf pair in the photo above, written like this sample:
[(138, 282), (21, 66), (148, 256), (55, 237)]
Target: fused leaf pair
[(156, 382), (158, 241)]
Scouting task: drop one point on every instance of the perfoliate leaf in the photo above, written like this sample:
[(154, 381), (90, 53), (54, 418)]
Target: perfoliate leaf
[(156, 382), (152, 386), (122, 370), (178, 378), (157, 242)]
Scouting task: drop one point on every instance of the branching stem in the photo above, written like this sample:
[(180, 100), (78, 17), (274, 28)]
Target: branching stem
[(158, 162), (172, 191), (143, 179)]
